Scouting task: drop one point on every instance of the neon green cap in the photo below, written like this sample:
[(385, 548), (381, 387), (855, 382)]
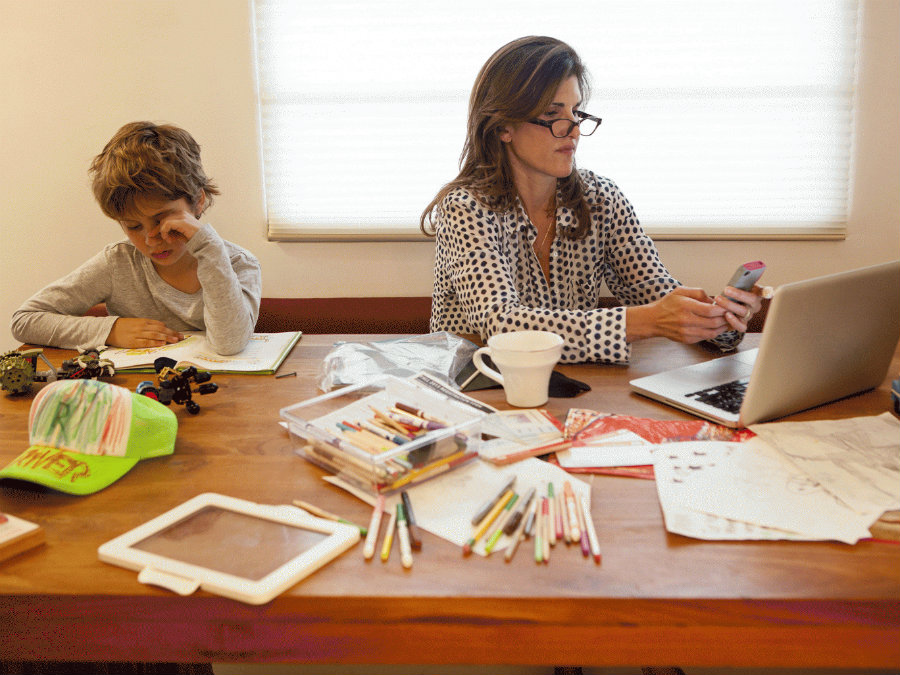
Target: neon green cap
[(86, 434)]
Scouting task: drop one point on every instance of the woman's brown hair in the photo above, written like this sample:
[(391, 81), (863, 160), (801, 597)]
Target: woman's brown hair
[(515, 85)]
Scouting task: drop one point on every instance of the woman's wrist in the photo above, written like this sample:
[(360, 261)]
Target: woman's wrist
[(639, 323)]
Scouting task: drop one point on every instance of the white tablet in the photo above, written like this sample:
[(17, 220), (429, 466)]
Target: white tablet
[(242, 550)]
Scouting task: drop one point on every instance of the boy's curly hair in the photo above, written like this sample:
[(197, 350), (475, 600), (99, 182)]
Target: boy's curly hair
[(146, 159)]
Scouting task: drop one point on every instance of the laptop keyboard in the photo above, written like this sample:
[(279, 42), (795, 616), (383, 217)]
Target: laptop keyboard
[(727, 397)]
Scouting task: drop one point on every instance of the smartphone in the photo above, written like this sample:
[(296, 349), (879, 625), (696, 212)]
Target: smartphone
[(746, 275)]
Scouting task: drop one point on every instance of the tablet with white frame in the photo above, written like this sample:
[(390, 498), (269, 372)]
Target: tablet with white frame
[(231, 547)]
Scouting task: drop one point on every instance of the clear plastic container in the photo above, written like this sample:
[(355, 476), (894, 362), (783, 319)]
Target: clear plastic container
[(356, 433)]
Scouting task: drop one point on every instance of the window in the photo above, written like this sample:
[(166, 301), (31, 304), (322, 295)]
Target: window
[(721, 118)]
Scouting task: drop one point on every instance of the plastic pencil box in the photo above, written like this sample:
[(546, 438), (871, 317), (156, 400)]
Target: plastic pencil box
[(385, 434)]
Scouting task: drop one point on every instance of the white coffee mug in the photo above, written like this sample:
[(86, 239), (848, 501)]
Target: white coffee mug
[(525, 359)]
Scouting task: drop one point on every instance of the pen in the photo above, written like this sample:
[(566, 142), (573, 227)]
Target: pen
[(485, 523), (519, 534), (403, 536), (592, 533), (388, 537), (539, 530), (316, 511), (414, 537), (501, 522), (374, 526), (489, 504)]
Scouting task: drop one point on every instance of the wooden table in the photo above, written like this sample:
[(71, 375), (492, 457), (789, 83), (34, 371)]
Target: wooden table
[(658, 598)]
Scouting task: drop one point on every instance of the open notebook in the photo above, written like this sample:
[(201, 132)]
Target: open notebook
[(263, 354), (824, 338)]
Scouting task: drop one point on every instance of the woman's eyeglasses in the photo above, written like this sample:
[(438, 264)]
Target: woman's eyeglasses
[(587, 124)]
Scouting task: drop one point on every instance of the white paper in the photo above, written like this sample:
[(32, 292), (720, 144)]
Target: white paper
[(751, 483), (619, 448), (445, 504), (857, 459)]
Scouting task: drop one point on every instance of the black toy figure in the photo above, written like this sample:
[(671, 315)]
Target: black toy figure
[(175, 384)]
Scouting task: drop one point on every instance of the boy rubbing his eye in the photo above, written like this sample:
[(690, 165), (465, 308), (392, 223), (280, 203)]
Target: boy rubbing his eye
[(173, 274)]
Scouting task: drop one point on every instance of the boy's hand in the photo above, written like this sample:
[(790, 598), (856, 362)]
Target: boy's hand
[(179, 224), (135, 333)]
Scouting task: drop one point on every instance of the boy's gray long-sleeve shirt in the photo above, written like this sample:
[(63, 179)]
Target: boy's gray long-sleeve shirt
[(226, 306)]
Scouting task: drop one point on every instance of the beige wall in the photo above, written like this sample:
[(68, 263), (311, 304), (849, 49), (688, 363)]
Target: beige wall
[(72, 72)]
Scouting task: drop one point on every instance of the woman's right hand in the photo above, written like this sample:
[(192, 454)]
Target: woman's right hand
[(136, 333), (685, 315)]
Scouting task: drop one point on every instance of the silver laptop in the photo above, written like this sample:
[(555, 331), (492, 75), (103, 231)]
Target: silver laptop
[(824, 338)]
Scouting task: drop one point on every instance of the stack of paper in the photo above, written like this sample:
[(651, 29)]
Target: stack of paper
[(518, 434), (796, 480)]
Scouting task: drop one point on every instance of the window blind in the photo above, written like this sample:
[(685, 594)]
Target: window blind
[(721, 118)]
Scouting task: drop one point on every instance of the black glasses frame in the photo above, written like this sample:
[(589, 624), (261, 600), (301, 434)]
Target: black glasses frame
[(572, 124)]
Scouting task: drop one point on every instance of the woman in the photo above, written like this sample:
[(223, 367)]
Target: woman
[(525, 240)]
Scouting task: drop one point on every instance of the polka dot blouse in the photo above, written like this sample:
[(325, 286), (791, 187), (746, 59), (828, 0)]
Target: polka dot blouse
[(488, 279)]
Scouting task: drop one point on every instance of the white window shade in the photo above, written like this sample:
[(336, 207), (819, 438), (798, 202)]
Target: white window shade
[(721, 118)]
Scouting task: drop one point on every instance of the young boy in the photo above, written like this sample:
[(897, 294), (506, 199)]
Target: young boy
[(173, 274)]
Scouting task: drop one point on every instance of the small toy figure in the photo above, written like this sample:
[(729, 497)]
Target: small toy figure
[(175, 384), (18, 370), (86, 366)]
